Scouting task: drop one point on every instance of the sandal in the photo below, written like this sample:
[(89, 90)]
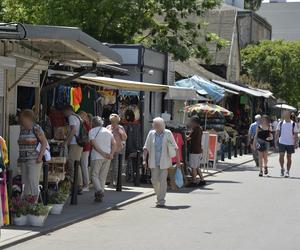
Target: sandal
[(266, 171), (260, 174)]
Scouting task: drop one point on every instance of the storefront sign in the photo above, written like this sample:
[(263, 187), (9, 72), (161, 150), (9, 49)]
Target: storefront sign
[(213, 142)]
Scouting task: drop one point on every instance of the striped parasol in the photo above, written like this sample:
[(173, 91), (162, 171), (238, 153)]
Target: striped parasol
[(207, 108)]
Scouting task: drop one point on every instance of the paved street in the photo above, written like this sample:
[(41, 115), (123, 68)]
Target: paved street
[(237, 210)]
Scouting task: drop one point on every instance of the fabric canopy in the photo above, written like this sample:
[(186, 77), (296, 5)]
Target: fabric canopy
[(247, 90), (183, 94), (285, 107), (113, 83), (207, 108), (202, 85)]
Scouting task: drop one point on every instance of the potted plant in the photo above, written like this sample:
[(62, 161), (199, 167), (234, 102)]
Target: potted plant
[(19, 210), (57, 200), (38, 214)]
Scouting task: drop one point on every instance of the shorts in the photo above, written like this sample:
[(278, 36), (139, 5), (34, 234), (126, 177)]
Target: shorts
[(262, 145), (289, 149), (195, 160)]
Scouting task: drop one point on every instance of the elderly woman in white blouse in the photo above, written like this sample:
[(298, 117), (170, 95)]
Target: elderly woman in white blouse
[(160, 147)]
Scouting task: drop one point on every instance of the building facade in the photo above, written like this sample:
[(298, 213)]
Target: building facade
[(284, 18)]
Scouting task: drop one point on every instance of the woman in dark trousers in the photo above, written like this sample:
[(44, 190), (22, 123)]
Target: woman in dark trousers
[(261, 142)]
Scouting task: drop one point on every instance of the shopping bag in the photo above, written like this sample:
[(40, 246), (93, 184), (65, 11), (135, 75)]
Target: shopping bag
[(179, 178)]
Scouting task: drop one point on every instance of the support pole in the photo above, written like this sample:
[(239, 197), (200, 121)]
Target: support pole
[(119, 181), (229, 148), (45, 183), (240, 146), (235, 149), (137, 169), (75, 184)]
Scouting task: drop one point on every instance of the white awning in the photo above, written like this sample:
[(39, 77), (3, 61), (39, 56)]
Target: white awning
[(247, 90), (113, 83), (66, 43), (285, 107), (183, 94)]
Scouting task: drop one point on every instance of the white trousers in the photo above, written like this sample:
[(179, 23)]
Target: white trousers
[(84, 163), (160, 185), (99, 173), (31, 172)]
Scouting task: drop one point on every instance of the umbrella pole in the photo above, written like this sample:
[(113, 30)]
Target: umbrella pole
[(183, 120), (205, 121)]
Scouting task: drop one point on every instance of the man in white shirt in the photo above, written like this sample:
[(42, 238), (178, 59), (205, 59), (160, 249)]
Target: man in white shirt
[(104, 147), (286, 137), (74, 150)]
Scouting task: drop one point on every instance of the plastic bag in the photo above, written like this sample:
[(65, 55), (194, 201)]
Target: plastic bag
[(179, 178)]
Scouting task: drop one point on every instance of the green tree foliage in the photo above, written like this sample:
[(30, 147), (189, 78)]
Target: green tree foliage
[(276, 63), (174, 26), (253, 4)]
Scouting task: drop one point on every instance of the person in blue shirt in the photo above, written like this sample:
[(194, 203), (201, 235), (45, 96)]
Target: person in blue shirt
[(251, 135)]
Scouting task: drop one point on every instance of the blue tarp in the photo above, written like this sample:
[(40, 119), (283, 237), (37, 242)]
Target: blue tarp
[(203, 86)]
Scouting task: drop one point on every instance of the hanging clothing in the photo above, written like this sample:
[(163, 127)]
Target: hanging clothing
[(57, 118), (89, 97), (3, 187), (77, 98), (72, 98), (62, 96), (179, 140)]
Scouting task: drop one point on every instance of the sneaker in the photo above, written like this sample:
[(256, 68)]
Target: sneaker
[(282, 172), (85, 189), (287, 174), (80, 190), (202, 183), (192, 185), (99, 196)]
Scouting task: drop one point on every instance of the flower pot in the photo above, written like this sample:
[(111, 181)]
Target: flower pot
[(56, 208), (20, 221), (37, 221)]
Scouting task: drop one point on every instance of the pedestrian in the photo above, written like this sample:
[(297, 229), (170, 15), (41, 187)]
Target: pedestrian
[(104, 147), (74, 150), (120, 137), (30, 158), (85, 156), (195, 139), (287, 141), (261, 142), (159, 148), (251, 135)]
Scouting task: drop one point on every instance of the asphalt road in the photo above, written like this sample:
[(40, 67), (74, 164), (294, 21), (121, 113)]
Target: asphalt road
[(237, 210)]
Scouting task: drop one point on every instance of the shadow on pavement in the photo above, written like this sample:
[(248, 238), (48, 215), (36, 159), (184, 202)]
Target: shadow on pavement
[(280, 177), (179, 207)]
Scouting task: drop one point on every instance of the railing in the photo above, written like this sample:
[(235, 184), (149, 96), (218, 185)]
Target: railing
[(234, 147)]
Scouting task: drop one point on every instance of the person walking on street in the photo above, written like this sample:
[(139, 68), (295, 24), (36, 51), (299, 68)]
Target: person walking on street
[(287, 141), (251, 135), (31, 159), (159, 148), (120, 137), (74, 150), (104, 147), (261, 142), (195, 139), (85, 156)]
